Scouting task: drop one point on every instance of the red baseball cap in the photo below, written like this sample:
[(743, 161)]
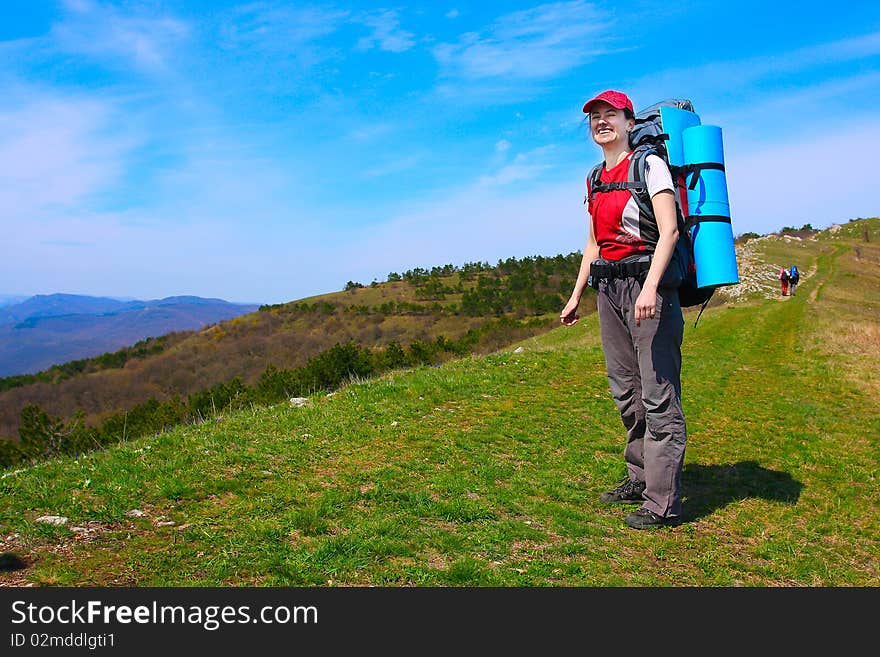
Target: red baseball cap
[(616, 99)]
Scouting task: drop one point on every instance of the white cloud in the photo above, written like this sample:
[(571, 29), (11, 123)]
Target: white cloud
[(851, 48), (55, 153), (516, 172), (368, 133), (735, 81), (502, 146), (79, 6), (105, 32), (535, 43), (395, 166), (263, 26), (386, 34), (525, 166), (798, 109), (225, 183)]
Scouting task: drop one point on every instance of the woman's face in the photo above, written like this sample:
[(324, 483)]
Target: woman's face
[(609, 125)]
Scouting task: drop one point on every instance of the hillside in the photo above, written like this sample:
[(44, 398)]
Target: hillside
[(47, 330), (419, 305), (485, 471)]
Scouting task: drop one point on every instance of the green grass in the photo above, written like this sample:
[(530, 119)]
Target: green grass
[(486, 471)]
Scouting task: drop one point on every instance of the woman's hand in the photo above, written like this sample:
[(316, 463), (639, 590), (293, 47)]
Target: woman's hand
[(569, 316), (646, 304)]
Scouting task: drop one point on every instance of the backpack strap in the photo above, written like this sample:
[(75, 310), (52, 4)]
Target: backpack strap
[(703, 307), (597, 186), (653, 140), (593, 182), (637, 174), (635, 183), (638, 171)]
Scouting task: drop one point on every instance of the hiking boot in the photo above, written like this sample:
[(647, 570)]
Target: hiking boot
[(628, 491), (646, 519)]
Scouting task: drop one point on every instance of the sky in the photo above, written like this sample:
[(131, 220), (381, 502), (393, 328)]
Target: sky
[(264, 152)]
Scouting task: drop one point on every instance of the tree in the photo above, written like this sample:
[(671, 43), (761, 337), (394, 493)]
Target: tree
[(40, 435), (394, 356), (10, 453)]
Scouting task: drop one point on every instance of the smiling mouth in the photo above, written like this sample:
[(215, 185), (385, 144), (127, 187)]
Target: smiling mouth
[(601, 131)]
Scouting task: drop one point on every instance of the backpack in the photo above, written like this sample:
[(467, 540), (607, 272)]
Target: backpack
[(648, 138), (795, 274)]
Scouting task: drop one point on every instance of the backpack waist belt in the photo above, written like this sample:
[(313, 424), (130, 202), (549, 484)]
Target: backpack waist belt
[(608, 269)]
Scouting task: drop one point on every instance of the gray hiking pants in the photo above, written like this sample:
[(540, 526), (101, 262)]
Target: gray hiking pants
[(644, 370)]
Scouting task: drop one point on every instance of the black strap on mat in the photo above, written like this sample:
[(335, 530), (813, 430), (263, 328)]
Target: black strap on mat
[(695, 169), (694, 219)]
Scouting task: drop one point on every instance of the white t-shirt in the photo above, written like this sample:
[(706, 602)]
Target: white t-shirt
[(657, 176)]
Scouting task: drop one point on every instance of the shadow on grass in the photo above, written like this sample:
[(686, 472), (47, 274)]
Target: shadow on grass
[(11, 561), (710, 487)]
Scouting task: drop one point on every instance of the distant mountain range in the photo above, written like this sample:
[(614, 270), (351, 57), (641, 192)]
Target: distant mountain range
[(50, 329), (9, 299)]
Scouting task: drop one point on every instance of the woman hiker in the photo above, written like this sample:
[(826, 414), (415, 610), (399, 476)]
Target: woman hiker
[(783, 280), (640, 320)]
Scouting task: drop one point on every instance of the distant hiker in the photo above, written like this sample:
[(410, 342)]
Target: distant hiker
[(794, 277), (640, 319), (784, 280)]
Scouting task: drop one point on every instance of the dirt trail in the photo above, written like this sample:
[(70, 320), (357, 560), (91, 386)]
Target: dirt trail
[(827, 274)]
